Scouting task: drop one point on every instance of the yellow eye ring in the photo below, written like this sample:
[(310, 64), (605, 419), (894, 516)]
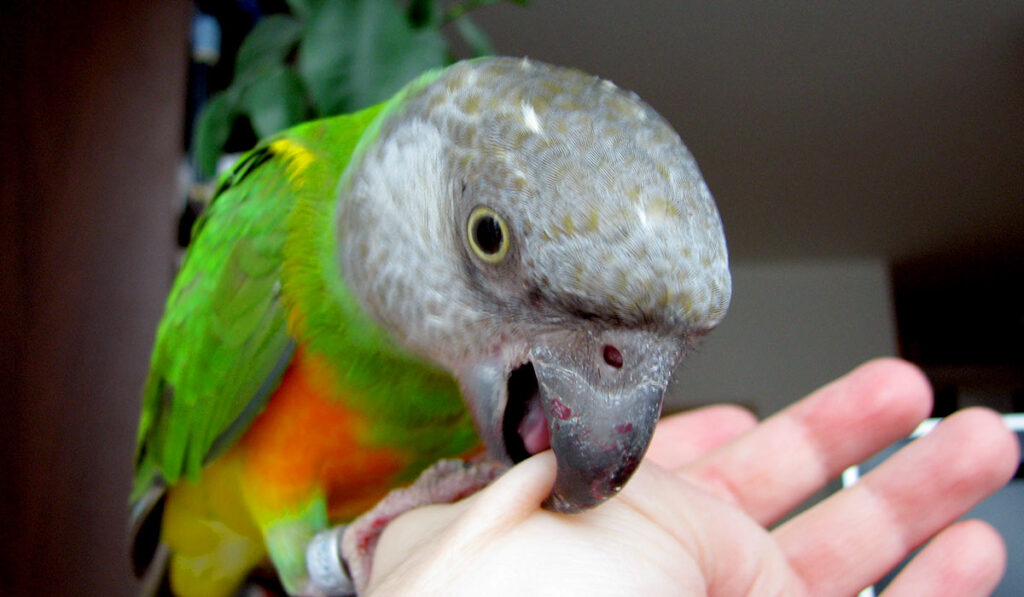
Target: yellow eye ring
[(488, 235)]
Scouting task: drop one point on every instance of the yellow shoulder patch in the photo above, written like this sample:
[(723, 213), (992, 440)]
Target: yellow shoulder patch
[(298, 158)]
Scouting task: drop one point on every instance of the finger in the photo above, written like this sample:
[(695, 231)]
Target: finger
[(968, 558), (517, 493), (682, 438), (466, 524), (791, 455), (860, 533)]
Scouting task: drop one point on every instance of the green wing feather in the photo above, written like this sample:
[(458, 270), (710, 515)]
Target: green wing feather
[(224, 330), (223, 342)]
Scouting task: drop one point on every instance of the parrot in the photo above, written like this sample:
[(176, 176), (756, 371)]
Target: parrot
[(503, 258)]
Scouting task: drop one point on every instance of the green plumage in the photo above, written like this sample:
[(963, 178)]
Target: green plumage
[(261, 281), (224, 328), (224, 340)]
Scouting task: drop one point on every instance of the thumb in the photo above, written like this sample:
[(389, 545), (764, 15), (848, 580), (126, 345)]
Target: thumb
[(515, 495)]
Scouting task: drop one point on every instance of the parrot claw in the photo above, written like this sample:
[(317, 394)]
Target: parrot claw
[(445, 482)]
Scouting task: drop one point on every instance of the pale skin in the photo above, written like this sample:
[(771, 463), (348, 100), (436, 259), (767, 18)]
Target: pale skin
[(697, 517)]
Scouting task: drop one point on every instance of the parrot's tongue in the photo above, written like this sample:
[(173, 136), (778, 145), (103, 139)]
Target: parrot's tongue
[(525, 427), (533, 429)]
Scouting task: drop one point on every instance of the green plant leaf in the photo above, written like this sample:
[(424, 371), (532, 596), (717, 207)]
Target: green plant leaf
[(304, 9), (266, 47), (212, 128), (275, 101), (324, 56), (355, 53), (478, 41), (393, 60)]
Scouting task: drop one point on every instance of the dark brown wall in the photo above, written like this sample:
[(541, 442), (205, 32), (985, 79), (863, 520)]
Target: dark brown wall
[(92, 104)]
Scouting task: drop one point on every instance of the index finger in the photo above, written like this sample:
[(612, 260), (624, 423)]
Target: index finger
[(682, 438), (792, 454)]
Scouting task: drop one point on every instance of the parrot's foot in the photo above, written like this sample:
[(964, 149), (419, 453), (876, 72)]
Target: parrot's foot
[(445, 482)]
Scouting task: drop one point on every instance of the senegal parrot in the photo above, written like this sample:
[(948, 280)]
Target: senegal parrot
[(505, 254)]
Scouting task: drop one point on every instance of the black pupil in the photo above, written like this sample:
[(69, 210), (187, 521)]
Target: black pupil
[(488, 235)]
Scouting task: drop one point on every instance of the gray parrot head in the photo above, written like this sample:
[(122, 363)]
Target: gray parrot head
[(551, 242)]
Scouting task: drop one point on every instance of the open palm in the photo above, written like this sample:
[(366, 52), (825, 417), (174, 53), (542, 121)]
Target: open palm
[(696, 518)]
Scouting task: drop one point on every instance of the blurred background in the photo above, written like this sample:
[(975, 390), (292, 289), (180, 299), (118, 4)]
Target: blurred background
[(867, 159)]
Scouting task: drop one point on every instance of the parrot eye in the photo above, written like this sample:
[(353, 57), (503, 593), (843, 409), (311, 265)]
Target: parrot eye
[(488, 235)]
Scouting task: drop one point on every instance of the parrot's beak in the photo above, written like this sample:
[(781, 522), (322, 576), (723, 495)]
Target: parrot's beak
[(602, 396), (594, 398)]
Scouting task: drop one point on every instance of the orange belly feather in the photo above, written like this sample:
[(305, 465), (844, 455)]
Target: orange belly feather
[(306, 440)]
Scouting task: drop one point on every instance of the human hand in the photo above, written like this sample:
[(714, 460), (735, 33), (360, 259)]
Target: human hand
[(693, 519)]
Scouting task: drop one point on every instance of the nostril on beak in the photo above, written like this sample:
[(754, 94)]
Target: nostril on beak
[(612, 356)]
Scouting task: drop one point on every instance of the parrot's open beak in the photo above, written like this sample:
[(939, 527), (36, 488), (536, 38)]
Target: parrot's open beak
[(594, 398)]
